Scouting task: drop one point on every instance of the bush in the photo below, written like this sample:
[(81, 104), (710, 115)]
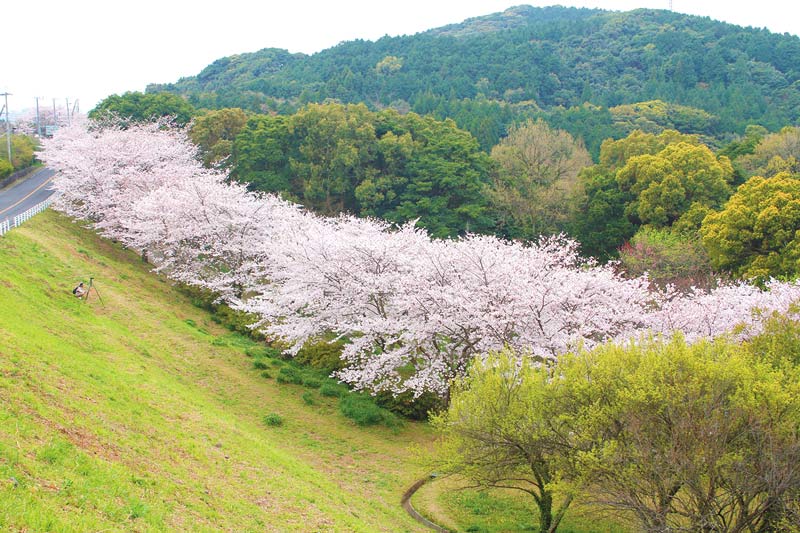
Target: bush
[(308, 398), (668, 257), (259, 364), (289, 374), (273, 420), (406, 405), (266, 374), (323, 355), (312, 383), (6, 168), (237, 321), (332, 390), (365, 412), (262, 351)]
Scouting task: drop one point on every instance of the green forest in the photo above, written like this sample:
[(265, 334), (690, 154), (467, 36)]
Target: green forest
[(594, 73)]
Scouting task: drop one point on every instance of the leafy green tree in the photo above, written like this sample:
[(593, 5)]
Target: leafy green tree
[(334, 158), (601, 225), (656, 115), (745, 145), (535, 187), (675, 437), (666, 185), (614, 154), (142, 107), (261, 153), (215, 131), (447, 177), (336, 152), (757, 233)]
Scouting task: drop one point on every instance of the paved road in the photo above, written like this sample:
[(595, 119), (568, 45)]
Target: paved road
[(26, 194)]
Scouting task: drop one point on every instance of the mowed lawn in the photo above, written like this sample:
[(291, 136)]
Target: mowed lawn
[(138, 413)]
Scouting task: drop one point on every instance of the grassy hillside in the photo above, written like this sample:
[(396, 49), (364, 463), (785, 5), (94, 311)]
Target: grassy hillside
[(139, 413)]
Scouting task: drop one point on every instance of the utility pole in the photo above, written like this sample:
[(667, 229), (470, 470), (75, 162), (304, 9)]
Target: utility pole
[(38, 121), (69, 119), (8, 127)]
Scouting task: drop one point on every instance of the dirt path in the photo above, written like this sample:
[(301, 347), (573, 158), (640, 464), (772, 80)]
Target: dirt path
[(406, 503)]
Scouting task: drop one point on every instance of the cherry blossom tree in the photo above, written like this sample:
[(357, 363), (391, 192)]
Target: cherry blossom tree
[(415, 311)]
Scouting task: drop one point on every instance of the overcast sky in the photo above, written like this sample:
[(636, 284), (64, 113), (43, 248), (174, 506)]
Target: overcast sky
[(89, 49)]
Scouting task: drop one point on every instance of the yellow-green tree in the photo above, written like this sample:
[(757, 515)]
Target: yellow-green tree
[(614, 154), (674, 437), (757, 234), (501, 431), (667, 184)]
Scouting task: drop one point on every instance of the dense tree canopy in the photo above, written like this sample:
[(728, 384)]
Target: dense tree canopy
[(774, 153), (757, 234), (144, 107), (648, 179), (667, 184), (337, 158)]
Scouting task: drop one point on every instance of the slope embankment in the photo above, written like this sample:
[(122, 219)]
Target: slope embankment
[(138, 412)]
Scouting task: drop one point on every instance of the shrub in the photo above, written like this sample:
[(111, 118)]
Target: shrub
[(365, 412), (406, 405), (289, 374), (308, 398), (312, 383), (332, 390), (323, 355), (273, 420), (266, 374), (267, 352), (259, 364), (668, 257)]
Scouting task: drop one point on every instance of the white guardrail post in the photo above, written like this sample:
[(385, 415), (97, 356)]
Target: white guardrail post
[(7, 224)]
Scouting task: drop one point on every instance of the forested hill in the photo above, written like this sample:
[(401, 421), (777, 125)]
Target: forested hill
[(486, 71)]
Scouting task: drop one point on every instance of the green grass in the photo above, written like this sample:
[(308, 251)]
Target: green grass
[(140, 413)]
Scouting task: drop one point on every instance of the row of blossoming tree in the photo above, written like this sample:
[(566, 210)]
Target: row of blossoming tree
[(414, 311)]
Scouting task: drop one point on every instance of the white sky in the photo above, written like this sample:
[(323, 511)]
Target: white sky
[(89, 49)]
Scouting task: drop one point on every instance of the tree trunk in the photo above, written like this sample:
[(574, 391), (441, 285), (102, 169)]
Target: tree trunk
[(545, 503)]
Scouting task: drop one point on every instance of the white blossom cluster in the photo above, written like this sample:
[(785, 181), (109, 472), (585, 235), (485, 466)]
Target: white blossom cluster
[(414, 311)]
